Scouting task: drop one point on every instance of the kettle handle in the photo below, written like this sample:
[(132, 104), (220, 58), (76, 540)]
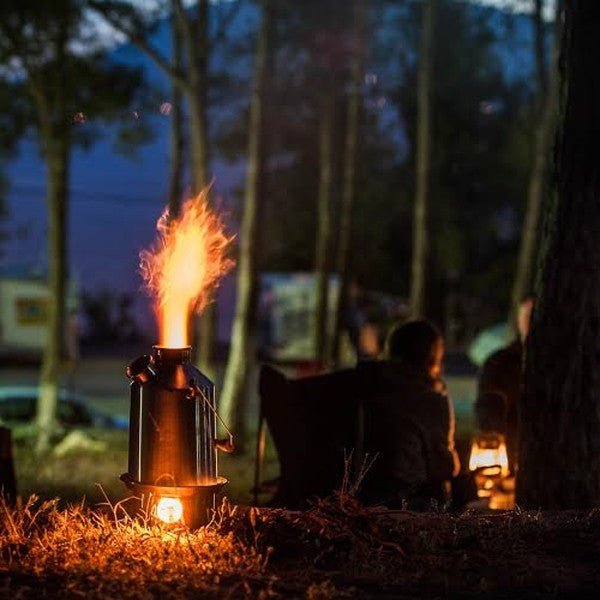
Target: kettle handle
[(225, 444)]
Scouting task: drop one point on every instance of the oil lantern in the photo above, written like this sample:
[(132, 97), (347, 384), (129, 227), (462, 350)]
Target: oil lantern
[(489, 462)]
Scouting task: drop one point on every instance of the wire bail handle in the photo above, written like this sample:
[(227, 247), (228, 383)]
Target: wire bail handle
[(226, 445)]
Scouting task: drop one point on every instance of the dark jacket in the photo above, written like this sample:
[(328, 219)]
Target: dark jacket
[(409, 424), (498, 395)]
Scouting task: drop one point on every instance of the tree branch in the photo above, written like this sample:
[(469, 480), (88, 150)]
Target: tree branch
[(185, 28), (223, 25), (138, 40)]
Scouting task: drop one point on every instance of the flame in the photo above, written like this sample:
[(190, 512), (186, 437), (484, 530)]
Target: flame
[(169, 509), (487, 453), (184, 266)]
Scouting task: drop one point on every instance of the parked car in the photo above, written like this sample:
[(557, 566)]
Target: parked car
[(18, 405)]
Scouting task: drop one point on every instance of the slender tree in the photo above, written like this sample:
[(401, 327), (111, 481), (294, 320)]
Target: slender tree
[(349, 164), (323, 239), (233, 397), (423, 162), (177, 135), (65, 88), (546, 107), (559, 453)]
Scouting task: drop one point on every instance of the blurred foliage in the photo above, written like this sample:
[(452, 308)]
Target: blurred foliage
[(108, 316), (482, 132), (482, 144), (41, 86), (481, 152)]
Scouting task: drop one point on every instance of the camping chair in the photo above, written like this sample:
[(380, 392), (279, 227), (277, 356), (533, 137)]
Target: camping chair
[(312, 421)]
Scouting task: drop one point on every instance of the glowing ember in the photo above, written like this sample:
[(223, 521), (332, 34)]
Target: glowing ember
[(169, 510), (184, 266)]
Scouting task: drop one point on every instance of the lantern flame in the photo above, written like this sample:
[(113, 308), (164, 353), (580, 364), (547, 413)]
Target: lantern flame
[(184, 266), (169, 510), (488, 452)]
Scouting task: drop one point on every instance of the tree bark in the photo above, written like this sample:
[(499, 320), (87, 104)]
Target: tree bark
[(539, 42), (56, 143), (233, 397), (197, 44), (559, 451), (538, 179), (423, 163), (177, 140), (349, 172), (323, 241), (57, 177)]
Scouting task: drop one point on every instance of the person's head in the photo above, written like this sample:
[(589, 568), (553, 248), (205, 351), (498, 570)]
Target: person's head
[(524, 317), (418, 344)]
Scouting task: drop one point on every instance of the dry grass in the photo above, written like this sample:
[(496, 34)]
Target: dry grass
[(336, 549), (107, 554)]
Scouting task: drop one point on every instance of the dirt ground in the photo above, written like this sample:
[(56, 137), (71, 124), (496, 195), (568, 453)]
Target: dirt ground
[(336, 549)]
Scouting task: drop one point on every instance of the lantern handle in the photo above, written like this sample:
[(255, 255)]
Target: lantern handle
[(225, 444)]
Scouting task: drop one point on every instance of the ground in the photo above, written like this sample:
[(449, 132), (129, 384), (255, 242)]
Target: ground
[(337, 549)]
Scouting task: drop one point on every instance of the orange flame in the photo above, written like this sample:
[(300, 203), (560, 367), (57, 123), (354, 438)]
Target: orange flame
[(184, 266)]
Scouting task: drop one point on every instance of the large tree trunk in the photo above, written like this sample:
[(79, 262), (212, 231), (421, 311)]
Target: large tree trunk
[(323, 241), (423, 163), (57, 198), (349, 172), (547, 104), (233, 397), (560, 410)]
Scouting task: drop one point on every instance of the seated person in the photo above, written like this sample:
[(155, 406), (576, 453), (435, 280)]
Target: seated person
[(496, 408), (409, 421)]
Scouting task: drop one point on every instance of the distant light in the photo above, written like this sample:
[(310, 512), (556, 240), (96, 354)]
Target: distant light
[(79, 118), (371, 79), (136, 114), (490, 107), (165, 108)]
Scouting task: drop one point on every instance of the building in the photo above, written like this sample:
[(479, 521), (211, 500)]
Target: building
[(24, 303)]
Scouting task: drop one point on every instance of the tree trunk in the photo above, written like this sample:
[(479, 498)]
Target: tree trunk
[(423, 163), (56, 144), (539, 42), (197, 105), (233, 397), (548, 94), (559, 451), (198, 142), (349, 173), (57, 197), (323, 241), (177, 141)]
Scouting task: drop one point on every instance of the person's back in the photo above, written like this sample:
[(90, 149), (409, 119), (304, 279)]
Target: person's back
[(497, 404), (409, 421)]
